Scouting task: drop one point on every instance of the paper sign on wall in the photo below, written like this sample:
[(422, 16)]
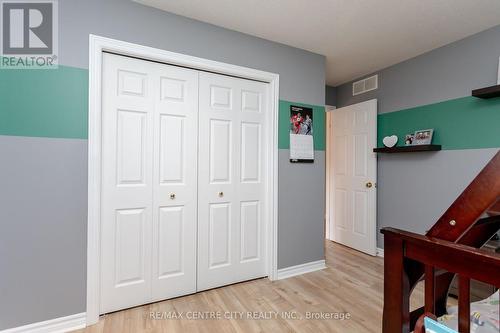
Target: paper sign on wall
[(301, 135)]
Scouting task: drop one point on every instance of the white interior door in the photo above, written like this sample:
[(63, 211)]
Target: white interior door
[(231, 180), (353, 190), (148, 237)]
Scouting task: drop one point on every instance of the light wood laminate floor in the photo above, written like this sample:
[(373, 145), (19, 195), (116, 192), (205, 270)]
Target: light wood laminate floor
[(352, 283)]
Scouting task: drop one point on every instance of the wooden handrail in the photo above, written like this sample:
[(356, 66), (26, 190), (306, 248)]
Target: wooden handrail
[(456, 258), (476, 237), (405, 250)]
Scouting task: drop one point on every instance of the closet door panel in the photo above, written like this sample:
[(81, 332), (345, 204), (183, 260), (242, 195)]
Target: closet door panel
[(252, 179), (126, 207), (184, 179), (149, 191), (231, 180), (174, 179)]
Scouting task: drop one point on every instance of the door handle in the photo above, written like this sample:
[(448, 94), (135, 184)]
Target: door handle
[(221, 194), (369, 184), (172, 196)]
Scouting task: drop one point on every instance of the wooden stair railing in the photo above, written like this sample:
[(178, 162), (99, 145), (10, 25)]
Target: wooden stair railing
[(460, 224), (482, 231), (481, 194), (455, 258)]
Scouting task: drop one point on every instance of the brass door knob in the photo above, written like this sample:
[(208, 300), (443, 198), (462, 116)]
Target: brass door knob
[(172, 196), (369, 184), (221, 194)]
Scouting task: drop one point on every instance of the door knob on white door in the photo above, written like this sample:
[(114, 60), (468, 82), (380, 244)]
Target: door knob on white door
[(172, 196), (221, 194), (369, 184)]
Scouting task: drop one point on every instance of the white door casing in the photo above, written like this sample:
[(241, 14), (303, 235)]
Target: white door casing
[(97, 47), (353, 191), (231, 180), (329, 171), (149, 153)]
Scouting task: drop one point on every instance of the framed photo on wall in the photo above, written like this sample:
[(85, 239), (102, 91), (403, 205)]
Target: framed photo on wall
[(423, 137)]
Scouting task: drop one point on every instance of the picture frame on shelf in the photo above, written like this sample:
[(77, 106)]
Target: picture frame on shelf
[(409, 139), (423, 137)]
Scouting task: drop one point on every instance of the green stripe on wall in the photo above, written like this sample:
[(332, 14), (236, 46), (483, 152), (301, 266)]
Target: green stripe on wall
[(463, 123), (54, 103), (44, 102), (284, 125)]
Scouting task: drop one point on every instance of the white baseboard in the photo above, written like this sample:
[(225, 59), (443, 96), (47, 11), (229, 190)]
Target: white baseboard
[(57, 325), (308, 267), (380, 252)]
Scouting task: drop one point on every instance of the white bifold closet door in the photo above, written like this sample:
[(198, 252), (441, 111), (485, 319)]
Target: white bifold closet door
[(149, 194), (231, 180), (183, 181)]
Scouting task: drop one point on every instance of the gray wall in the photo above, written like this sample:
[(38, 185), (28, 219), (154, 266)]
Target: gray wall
[(43, 199), (301, 198), (330, 96), (415, 189), (302, 73), (451, 71)]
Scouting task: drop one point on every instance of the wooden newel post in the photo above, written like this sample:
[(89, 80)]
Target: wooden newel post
[(396, 317)]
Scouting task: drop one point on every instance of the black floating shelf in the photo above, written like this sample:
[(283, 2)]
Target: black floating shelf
[(489, 92), (407, 149)]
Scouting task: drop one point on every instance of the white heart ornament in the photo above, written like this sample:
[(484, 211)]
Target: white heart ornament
[(390, 141)]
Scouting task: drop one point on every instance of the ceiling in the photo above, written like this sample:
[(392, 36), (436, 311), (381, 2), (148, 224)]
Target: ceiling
[(357, 37)]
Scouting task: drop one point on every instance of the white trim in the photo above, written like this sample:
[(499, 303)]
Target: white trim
[(97, 45), (273, 179), (308, 267), (328, 173), (498, 80), (380, 252), (57, 325)]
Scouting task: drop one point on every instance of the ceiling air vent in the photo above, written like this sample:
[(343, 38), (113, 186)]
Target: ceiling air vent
[(362, 86)]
